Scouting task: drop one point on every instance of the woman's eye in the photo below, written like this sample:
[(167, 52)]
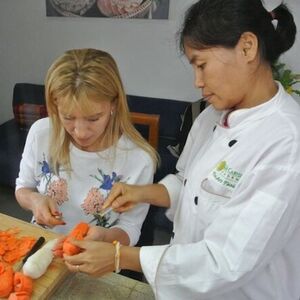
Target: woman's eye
[(202, 66), (67, 118), (93, 120)]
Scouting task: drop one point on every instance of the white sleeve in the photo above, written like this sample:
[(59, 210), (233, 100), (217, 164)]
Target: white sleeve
[(26, 176), (131, 221), (254, 225)]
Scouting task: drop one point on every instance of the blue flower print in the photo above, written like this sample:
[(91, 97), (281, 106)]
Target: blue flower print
[(107, 181), (46, 170)]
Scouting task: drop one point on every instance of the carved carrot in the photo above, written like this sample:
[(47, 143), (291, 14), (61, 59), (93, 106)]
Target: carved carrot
[(19, 296), (22, 283), (78, 233), (6, 279)]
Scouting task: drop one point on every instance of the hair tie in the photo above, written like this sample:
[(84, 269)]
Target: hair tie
[(273, 19), (272, 14)]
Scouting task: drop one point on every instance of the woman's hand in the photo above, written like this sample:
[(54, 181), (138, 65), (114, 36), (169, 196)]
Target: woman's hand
[(123, 197), (96, 258), (96, 233), (45, 210), (57, 249)]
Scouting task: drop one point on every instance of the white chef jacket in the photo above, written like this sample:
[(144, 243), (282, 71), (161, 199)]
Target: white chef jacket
[(235, 203)]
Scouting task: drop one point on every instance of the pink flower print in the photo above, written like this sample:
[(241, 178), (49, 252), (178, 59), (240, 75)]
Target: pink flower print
[(93, 202), (57, 190)]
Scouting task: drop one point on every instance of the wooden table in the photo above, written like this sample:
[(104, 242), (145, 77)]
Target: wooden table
[(59, 283)]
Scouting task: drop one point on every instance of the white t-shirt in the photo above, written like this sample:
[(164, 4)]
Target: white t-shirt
[(235, 203), (92, 176)]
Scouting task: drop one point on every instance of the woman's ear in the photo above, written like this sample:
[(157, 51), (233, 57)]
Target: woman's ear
[(248, 46)]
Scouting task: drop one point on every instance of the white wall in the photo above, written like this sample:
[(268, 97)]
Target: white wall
[(145, 50)]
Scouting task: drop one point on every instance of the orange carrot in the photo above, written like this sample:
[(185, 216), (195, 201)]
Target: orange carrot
[(19, 296), (13, 248), (78, 233), (23, 283), (6, 279)]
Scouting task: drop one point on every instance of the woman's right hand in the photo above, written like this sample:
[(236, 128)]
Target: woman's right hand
[(45, 210), (123, 197)]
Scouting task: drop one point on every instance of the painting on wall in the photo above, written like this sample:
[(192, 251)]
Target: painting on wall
[(127, 9)]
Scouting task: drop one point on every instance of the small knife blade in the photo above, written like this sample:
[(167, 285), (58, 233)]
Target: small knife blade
[(37, 245)]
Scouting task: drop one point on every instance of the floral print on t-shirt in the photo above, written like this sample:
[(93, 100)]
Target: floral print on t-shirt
[(56, 187)]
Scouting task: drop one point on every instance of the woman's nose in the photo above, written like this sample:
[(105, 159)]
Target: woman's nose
[(198, 82), (80, 129)]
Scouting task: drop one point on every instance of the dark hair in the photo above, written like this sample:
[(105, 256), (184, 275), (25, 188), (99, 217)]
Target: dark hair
[(210, 23)]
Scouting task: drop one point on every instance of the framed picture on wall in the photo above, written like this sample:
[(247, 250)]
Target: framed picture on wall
[(125, 9)]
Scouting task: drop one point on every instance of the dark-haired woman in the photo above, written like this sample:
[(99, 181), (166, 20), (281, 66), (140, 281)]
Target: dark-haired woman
[(235, 199)]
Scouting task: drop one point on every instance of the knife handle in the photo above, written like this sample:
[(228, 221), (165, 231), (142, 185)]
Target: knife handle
[(35, 248)]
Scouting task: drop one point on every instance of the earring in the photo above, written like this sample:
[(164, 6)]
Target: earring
[(111, 112)]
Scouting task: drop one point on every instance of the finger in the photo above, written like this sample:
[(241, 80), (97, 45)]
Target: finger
[(79, 243), (76, 259), (125, 208), (58, 253), (113, 194), (74, 267), (54, 221), (120, 203)]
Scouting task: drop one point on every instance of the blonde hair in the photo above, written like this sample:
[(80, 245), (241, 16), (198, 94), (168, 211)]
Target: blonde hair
[(75, 76)]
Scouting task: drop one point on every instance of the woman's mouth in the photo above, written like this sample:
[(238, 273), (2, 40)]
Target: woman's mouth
[(207, 97)]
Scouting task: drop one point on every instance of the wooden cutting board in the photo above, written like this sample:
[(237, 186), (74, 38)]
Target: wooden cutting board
[(57, 271)]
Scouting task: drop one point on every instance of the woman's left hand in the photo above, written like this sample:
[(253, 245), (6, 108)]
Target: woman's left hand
[(96, 233), (96, 259)]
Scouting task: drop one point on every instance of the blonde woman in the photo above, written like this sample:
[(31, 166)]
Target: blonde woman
[(72, 159)]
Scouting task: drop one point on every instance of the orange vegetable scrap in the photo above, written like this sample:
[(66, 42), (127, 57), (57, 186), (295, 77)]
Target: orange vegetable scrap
[(19, 296), (78, 233), (23, 283), (6, 279), (13, 248)]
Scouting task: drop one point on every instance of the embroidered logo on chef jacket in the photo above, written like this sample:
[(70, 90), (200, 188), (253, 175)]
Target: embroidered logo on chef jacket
[(220, 182), (225, 175)]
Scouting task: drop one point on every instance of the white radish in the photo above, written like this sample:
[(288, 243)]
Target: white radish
[(37, 264)]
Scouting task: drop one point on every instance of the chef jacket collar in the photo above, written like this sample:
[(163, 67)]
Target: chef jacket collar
[(233, 118)]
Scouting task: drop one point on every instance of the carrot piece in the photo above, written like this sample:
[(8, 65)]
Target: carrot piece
[(6, 279), (19, 296), (78, 233), (13, 248), (23, 283)]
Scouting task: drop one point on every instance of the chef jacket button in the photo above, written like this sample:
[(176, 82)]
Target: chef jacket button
[(231, 143), (184, 182), (196, 200), (214, 127)]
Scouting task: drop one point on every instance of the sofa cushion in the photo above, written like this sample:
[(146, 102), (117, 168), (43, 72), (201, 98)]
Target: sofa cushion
[(26, 114)]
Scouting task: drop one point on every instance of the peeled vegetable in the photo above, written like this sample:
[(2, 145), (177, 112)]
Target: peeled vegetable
[(78, 233), (37, 264)]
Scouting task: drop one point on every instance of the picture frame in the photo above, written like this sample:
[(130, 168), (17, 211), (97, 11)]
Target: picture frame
[(118, 9)]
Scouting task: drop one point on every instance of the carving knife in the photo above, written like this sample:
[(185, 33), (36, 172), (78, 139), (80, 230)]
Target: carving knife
[(37, 245)]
